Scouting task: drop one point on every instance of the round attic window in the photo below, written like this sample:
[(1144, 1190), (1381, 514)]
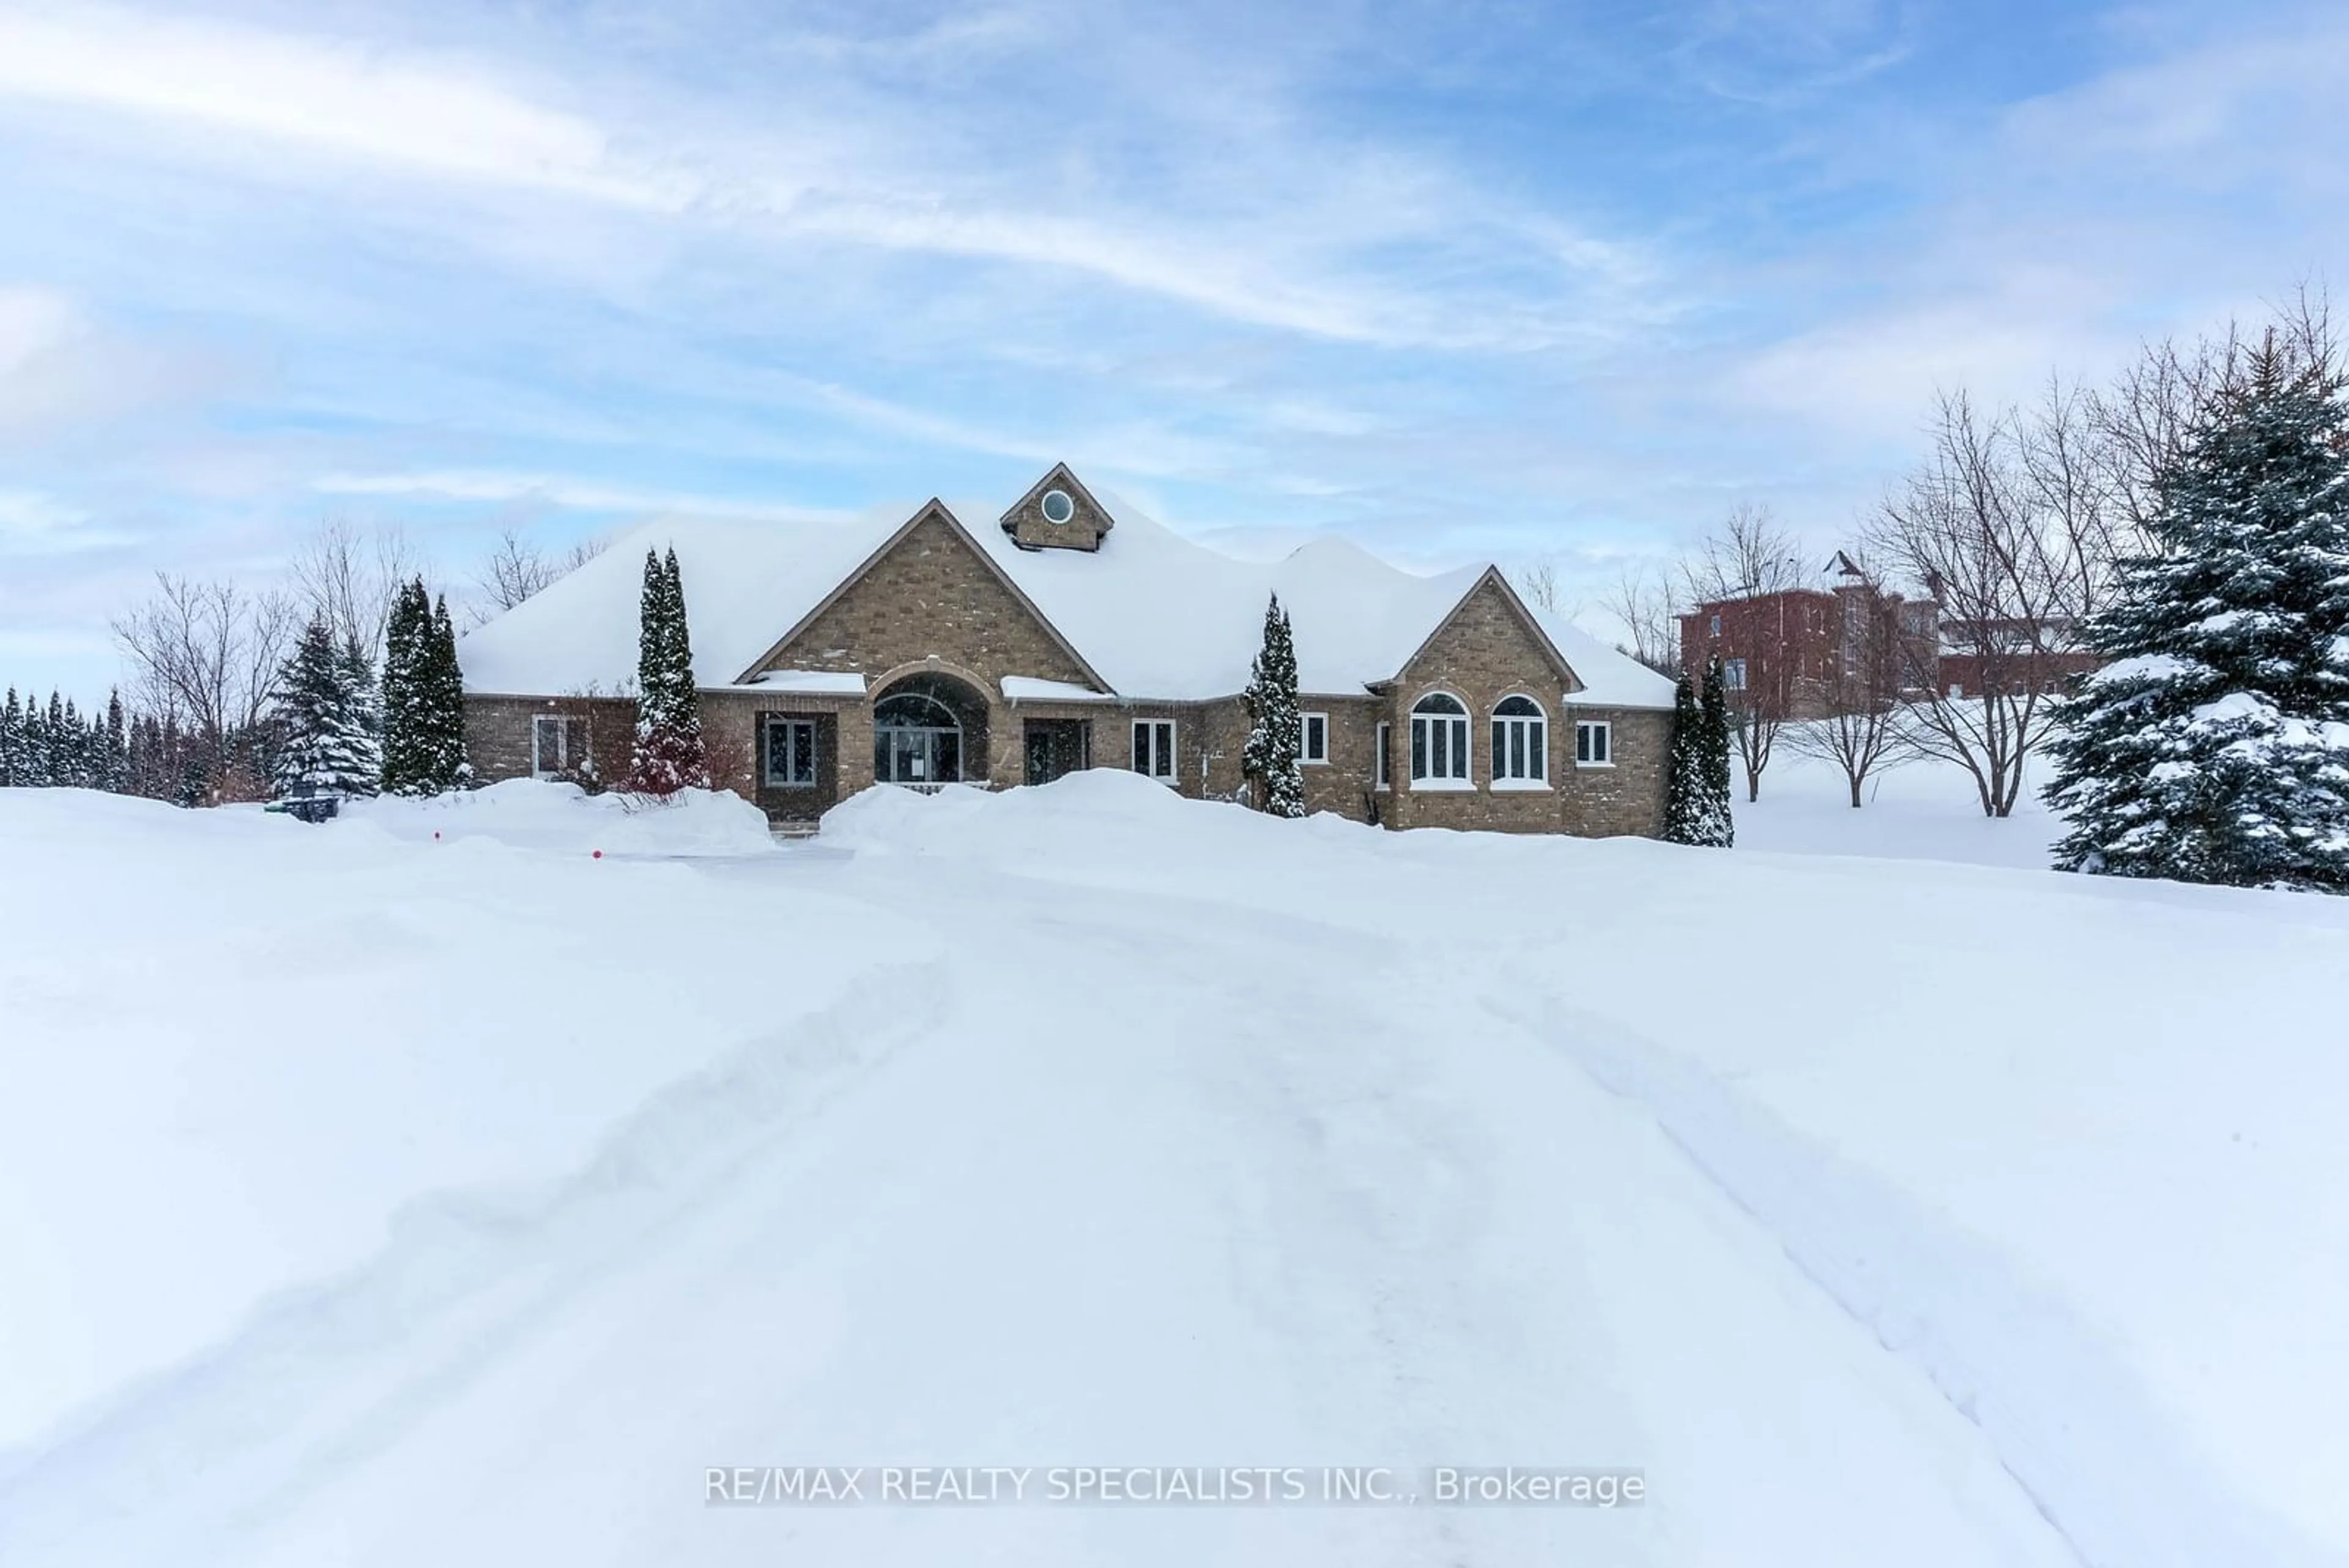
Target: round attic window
[(1058, 507)]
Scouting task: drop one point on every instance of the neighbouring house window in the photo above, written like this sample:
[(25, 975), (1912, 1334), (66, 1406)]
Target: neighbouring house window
[(550, 745), (1439, 740), (1153, 749), (1716, 626), (1383, 768), (1314, 738), (1594, 744), (1732, 672), (790, 754), (1520, 741)]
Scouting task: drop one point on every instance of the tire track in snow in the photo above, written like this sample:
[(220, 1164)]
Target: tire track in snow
[(2097, 1455), (324, 1376)]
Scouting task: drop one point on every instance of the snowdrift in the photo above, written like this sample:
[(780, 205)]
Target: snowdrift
[(471, 1200)]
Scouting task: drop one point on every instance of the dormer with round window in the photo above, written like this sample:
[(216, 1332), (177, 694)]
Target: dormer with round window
[(1057, 514)]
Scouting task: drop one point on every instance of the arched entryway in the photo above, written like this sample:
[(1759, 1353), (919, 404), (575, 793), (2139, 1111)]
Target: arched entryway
[(929, 730)]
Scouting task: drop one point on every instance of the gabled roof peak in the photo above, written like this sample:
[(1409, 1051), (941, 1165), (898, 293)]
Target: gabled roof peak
[(1058, 512)]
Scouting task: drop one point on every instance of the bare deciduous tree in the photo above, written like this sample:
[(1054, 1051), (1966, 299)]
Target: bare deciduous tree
[(518, 569), (350, 576), (205, 657), (1753, 556), (2001, 525), (1644, 603), (1859, 729)]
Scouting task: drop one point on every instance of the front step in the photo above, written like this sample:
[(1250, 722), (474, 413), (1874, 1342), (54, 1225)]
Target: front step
[(789, 830)]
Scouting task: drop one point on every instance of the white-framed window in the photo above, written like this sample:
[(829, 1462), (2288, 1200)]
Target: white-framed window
[(1733, 674), (1520, 744), (790, 754), (1153, 749), (1594, 744), (1716, 626), (1313, 738), (550, 745), (1382, 765), (1439, 742)]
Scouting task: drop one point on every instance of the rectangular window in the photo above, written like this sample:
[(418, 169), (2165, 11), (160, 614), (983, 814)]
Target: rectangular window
[(1382, 767), (1716, 626), (1314, 737), (1733, 674), (1153, 749), (790, 754), (1520, 748), (550, 745), (1439, 744), (1594, 744)]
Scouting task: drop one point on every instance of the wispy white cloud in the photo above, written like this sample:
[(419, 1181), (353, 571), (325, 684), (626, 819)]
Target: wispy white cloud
[(575, 494)]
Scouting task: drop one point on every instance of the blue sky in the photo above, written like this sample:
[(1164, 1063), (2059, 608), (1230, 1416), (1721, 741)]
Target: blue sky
[(1460, 280)]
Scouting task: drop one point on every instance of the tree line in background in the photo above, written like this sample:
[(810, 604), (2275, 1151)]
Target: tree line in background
[(2187, 515), (344, 680)]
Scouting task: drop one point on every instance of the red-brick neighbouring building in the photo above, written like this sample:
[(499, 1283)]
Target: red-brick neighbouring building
[(1795, 649)]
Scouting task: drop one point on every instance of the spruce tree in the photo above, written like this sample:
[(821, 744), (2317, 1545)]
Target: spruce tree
[(1688, 817), (326, 748), (12, 741), (2214, 747), (1275, 739), (1717, 824), (668, 755)]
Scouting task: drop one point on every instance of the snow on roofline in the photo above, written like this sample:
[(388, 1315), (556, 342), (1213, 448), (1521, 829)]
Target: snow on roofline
[(1158, 617), (1029, 688), (814, 682)]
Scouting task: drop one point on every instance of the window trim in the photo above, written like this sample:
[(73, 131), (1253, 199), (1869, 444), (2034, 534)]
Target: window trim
[(1382, 759), (1537, 752), (1464, 733), (767, 779), (562, 722), (1168, 756), (1305, 757), (1602, 727), (1733, 675)]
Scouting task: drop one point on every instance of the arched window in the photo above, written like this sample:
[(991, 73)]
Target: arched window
[(1439, 742), (1520, 742), (916, 739)]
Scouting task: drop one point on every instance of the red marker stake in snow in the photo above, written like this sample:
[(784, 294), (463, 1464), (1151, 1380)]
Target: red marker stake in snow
[(596, 853)]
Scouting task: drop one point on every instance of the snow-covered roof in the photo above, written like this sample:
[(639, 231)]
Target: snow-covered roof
[(1157, 615)]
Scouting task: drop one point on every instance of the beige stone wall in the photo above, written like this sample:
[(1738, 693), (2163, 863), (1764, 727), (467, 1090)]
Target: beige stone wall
[(497, 735), (1030, 527), (1628, 797)]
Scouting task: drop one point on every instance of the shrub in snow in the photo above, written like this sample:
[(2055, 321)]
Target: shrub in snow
[(2215, 747), (1275, 739), (327, 739), (669, 756)]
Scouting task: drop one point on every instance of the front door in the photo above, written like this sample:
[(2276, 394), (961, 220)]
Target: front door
[(1055, 746)]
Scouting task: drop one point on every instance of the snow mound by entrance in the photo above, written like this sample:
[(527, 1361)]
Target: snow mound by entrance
[(533, 813)]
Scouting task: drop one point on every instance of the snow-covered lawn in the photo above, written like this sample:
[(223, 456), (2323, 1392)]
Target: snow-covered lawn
[(373, 1197), (1925, 809)]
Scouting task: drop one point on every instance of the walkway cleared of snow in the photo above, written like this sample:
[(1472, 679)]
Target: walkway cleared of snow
[(466, 1199)]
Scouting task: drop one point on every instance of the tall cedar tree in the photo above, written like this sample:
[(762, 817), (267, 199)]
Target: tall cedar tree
[(1716, 826), (1276, 738), (405, 634), (2215, 747), (1687, 818), (668, 755), (11, 742), (447, 765), (328, 748)]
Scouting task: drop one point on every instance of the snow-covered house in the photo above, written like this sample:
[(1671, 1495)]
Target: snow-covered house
[(916, 650)]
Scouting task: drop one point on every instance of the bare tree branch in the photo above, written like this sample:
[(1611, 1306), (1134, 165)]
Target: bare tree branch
[(1751, 557)]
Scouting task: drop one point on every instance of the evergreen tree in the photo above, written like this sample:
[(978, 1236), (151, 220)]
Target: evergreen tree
[(406, 631), (1716, 823), (1275, 737), (12, 741), (326, 748), (668, 755), (1688, 818), (117, 748), (2215, 746), (442, 685)]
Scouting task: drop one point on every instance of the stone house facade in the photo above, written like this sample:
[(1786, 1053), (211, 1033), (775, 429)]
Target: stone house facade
[(1073, 635)]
